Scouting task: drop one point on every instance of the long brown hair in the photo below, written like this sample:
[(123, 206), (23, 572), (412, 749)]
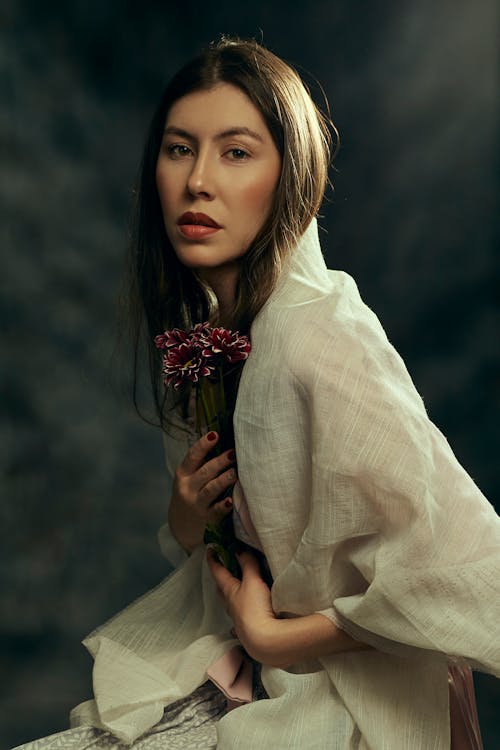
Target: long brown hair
[(162, 293)]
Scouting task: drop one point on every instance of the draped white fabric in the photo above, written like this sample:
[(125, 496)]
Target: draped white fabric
[(364, 515)]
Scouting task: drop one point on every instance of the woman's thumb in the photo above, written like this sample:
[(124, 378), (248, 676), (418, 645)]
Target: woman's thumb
[(248, 563)]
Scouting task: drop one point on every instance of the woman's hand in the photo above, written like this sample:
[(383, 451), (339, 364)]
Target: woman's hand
[(266, 637), (197, 485), (248, 602)]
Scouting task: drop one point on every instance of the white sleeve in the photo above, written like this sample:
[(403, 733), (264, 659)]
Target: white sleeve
[(430, 557)]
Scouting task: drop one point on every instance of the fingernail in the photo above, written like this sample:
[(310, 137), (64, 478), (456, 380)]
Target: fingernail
[(211, 436), (231, 455), (228, 503)]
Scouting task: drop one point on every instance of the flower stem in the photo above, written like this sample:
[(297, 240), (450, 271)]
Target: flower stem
[(200, 395)]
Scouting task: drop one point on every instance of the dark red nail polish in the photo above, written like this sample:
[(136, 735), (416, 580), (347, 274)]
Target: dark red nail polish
[(231, 455), (211, 436), (228, 503)]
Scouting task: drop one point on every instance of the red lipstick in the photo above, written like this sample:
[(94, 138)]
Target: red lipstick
[(200, 219), (195, 226)]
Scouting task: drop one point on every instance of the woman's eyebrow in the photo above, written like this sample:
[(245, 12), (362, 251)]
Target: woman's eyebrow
[(237, 130), (240, 130)]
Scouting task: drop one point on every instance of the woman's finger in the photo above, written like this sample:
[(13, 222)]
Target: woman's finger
[(215, 487), (226, 582), (212, 470), (218, 510), (249, 565), (196, 455)]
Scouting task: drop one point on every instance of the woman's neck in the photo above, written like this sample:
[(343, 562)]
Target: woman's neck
[(223, 282)]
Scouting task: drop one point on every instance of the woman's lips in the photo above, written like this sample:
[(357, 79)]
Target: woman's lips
[(196, 225), (196, 231)]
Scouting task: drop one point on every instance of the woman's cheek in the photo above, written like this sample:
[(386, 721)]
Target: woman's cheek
[(258, 198)]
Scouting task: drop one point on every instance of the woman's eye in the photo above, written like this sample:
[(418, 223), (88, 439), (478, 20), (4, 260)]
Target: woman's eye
[(237, 154), (177, 150)]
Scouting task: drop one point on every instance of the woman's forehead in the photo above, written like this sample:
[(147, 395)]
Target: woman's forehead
[(214, 111)]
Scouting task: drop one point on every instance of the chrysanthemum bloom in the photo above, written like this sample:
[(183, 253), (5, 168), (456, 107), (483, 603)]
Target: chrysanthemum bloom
[(185, 362), (220, 341), (171, 338), (201, 328)]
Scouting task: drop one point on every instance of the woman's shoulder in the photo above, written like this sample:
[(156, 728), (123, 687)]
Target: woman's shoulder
[(334, 316), (338, 337)]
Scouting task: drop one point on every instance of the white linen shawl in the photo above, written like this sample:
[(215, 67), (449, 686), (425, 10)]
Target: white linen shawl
[(364, 515)]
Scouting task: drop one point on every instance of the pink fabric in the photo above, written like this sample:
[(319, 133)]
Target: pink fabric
[(464, 722), (232, 674)]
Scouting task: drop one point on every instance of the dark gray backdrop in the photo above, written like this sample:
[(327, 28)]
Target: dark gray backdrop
[(413, 89)]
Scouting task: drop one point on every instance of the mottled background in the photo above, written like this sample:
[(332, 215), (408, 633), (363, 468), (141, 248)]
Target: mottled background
[(413, 87)]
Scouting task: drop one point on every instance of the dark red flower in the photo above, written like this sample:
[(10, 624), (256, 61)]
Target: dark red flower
[(161, 340), (232, 346), (191, 355), (185, 362), (201, 328), (172, 338)]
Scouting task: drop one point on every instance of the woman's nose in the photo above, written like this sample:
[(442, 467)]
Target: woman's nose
[(200, 180)]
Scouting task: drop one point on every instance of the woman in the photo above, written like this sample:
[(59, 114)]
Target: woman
[(384, 554)]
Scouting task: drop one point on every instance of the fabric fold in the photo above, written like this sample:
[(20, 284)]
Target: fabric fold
[(156, 651)]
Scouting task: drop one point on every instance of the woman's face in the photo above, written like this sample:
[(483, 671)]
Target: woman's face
[(216, 174)]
